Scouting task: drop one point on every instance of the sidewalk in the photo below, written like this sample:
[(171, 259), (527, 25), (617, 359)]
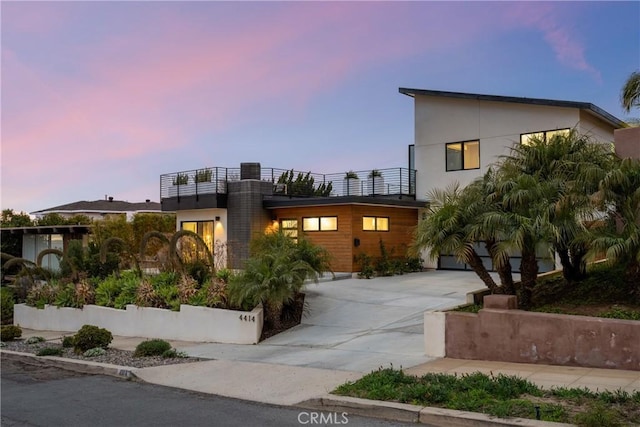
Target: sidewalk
[(308, 387)]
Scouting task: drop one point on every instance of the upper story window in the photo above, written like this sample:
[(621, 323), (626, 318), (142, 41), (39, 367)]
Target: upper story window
[(375, 223), (526, 138), (320, 223), (463, 155)]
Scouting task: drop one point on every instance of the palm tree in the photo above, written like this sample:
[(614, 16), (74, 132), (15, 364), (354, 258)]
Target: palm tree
[(570, 166), (620, 193), (522, 222), (272, 279), (630, 95), (446, 230)]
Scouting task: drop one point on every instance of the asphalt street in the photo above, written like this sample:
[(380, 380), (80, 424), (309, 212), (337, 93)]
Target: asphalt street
[(48, 396)]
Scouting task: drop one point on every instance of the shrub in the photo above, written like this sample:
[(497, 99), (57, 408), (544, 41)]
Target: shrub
[(66, 296), (89, 337), (151, 348), (6, 304), (173, 353), (199, 270), (34, 340), (10, 332), (93, 352), (109, 292), (67, 342), (49, 351), (41, 294)]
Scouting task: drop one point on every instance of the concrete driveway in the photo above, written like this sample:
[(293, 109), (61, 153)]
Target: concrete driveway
[(357, 325)]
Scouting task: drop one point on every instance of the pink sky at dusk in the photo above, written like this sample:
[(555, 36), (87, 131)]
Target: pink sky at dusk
[(103, 98)]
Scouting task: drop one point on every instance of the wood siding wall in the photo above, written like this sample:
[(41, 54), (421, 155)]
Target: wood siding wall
[(340, 243)]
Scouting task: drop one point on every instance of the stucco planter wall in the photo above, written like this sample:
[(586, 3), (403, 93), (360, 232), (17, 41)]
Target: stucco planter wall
[(191, 323), (500, 332)]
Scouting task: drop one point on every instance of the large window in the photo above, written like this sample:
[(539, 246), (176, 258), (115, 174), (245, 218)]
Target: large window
[(320, 223), (545, 136), (203, 229), (375, 223), (290, 228), (463, 155)]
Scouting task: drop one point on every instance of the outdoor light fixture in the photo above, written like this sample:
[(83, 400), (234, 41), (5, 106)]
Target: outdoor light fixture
[(217, 218)]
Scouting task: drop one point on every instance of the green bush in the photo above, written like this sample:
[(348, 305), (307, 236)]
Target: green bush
[(151, 348), (67, 342), (89, 337), (199, 270), (172, 353), (94, 352), (6, 305), (10, 332), (34, 340), (49, 351)]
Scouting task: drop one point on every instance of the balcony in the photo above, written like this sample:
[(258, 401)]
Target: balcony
[(207, 187)]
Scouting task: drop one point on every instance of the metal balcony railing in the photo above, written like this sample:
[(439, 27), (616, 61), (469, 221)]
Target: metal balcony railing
[(375, 182)]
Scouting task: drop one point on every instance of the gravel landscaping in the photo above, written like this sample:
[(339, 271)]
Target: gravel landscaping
[(113, 356)]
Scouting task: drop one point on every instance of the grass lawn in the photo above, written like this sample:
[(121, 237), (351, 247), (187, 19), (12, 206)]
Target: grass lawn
[(501, 396)]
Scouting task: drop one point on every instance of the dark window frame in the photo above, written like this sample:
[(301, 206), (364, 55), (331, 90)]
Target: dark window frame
[(285, 229), (375, 218), (462, 144), (319, 218), (544, 133)]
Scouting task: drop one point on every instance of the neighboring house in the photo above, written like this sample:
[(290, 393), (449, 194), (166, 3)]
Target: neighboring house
[(36, 239), (227, 206), (101, 209), (459, 135)]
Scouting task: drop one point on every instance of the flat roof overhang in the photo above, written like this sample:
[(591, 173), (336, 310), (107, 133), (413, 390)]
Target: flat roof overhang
[(200, 201), (584, 106), (48, 229), (291, 202)]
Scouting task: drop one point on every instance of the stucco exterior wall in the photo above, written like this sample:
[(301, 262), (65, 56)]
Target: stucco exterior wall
[(627, 142), (219, 228), (504, 334), (498, 125)]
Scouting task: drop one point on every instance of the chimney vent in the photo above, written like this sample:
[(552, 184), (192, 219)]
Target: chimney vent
[(148, 201), (110, 199)]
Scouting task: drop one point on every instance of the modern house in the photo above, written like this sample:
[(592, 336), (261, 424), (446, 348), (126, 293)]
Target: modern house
[(347, 213), (36, 239), (459, 135)]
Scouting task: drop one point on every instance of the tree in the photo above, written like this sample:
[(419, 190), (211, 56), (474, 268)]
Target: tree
[(12, 243), (570, 166), (275, 272), (304, 185), (630, 95), (620, 195), (447, 229), (13, 219)]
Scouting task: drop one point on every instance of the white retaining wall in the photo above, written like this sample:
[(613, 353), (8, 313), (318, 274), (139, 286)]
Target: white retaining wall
[(191, 323)]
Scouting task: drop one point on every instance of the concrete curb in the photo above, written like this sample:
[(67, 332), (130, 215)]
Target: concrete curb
[(82, 366), (417, 414)]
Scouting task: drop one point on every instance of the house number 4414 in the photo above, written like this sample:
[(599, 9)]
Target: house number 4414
[(247, 318)]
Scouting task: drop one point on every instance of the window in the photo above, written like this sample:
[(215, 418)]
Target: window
[(463, 155), (375, 223), (526, 138), (322, 223), (290, 228), (203, 229)]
